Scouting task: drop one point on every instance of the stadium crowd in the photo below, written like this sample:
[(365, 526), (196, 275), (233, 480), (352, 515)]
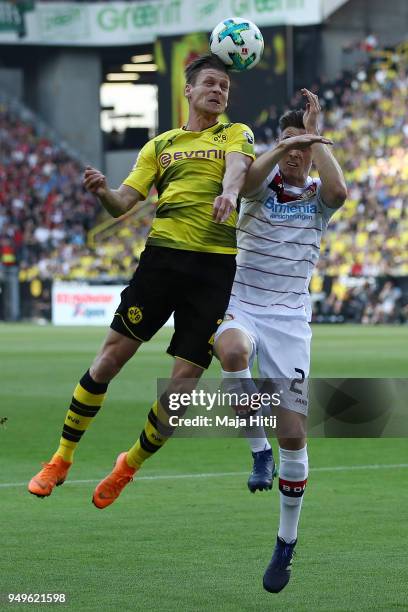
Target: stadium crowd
[(366, 115), (45, 214), (43, 208)]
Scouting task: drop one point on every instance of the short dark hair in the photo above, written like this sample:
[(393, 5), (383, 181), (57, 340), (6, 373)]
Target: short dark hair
[(292, 118), (201, 63)]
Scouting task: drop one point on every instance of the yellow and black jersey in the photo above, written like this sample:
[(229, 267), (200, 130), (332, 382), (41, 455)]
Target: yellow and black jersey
[(188, 169)]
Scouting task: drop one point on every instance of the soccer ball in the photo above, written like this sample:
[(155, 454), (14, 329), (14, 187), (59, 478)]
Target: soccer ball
[(238, 43)]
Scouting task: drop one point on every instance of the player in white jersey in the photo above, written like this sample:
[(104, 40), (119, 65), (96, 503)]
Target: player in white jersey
[(281, 223)]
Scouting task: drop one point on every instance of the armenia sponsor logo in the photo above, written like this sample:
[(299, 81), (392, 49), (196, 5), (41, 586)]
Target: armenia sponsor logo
[(290, 210)]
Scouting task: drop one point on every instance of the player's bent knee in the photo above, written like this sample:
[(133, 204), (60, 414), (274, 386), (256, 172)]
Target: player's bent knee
[(114, 354), (233, 348), (234, 357), (105, 367), (184, 377)]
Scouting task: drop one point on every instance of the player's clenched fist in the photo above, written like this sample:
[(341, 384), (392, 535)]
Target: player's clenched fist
[(94, 181)]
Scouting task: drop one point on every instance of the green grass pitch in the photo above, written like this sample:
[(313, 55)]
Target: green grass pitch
[(187, 536)]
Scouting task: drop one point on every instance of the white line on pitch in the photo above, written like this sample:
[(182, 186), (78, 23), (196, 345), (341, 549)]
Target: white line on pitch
[(336, 468)]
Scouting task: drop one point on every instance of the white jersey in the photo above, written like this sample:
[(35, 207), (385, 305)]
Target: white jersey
[(279, 233)]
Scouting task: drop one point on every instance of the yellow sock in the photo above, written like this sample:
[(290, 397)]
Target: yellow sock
[(85, 404), (155, 433)]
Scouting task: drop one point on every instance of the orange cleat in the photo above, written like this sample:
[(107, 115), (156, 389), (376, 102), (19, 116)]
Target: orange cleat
[(53, 474), (112, 486)]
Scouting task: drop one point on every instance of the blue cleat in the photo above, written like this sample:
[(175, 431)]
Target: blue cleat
[(277, 573), (263, 471)]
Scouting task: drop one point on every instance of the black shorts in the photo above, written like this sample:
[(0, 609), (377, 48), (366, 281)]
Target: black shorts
[(194, 286)]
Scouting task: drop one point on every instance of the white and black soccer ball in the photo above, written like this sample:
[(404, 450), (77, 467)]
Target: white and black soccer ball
[(238, 43)]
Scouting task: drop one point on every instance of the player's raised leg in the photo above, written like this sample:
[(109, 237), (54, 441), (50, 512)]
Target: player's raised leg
[(234, 347), (293, 474), (155, 433), (85, 404), (199, 286)]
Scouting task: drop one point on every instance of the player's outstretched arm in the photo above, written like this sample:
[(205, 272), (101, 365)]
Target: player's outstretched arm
[(264, 164), (116, 201), (333, 189), (236, 166)]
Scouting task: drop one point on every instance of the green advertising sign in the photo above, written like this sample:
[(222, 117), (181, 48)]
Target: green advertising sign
[(119, 23), (12, 15)]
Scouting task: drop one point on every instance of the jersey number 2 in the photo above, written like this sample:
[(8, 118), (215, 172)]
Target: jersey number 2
[(297, 381)]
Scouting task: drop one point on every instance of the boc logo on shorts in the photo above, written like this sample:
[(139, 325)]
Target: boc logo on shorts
[(134, 314)]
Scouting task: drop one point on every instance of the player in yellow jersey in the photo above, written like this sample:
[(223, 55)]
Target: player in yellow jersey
[(187, 267)]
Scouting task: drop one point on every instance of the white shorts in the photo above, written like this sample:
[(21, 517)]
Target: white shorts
[(282, 345)]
